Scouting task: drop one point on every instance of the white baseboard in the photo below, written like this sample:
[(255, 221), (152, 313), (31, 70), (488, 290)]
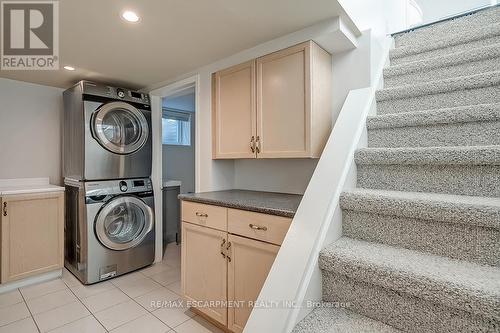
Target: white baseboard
[(9, 286)]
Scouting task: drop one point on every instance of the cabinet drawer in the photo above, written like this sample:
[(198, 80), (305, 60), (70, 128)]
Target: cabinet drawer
[(264, 227), (205, 215)]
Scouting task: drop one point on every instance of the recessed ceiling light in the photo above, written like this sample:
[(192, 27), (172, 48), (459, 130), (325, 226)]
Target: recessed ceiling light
[(69, 68), (130, 16)]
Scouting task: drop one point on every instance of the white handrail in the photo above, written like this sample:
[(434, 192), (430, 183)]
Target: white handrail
[(280, 300)]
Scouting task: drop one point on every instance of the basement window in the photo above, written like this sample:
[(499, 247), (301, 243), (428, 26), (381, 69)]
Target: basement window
[(176, 127)]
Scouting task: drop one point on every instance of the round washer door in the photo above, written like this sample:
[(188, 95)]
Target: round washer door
[(120, 128), (123, 223)]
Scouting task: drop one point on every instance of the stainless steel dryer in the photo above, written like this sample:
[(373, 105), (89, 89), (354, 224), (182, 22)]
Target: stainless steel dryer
[(107, 133), (109, 228)]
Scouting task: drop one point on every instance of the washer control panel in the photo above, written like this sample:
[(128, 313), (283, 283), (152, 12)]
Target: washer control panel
[(113, 187), (91, 88)]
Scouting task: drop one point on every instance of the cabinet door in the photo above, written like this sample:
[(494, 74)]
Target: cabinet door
[(234, 114), (284, 103), (32, 234), (204, 269), (250, 263)]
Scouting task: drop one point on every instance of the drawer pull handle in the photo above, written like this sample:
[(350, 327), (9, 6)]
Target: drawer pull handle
[(4, 209), (228, 251), (257, 227), (201, 214)]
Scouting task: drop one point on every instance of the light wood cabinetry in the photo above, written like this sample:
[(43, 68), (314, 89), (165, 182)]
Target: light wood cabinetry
[(278, 106), (227, 261), (32, 233), (205, 215), (264, 227), (204, 268), (251, 261), (234, 111)]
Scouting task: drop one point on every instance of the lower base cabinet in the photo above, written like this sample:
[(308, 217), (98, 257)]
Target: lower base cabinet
[(223, 272), (32, 234), (250, 263), (204, 269)]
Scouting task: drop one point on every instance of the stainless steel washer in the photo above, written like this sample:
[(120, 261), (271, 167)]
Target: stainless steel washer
[(109, 228), (107, 133)]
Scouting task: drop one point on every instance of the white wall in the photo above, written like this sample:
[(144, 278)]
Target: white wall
[(381, 16), (30, 130), (276, 175), (183, 102), (179, 161), (289, 175), (433, 10)]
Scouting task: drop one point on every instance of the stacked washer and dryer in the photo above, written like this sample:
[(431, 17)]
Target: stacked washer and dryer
[(109, 225)]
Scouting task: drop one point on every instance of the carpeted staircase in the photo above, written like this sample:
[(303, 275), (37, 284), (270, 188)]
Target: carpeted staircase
[(420, 250)]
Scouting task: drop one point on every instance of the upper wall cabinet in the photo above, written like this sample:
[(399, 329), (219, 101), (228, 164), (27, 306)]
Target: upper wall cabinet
[(234, 116), (277, 106)]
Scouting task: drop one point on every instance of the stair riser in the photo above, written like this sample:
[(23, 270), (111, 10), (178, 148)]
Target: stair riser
[(401, 310), (426, 75), (483, 95), (475, 180), (442, 30), (481, 133), (453, 240), (436, 53)]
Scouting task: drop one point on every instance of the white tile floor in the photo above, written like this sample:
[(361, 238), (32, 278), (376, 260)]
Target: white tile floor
[(123, 304)]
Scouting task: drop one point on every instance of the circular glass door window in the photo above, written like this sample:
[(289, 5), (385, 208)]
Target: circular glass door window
[(123, 223), (120, 128)]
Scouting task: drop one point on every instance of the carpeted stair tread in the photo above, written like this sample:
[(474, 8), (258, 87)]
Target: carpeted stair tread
[(462, 63), (461, 114), (449, 41), (439, 87), (479, 155), (442, 29), (420, 249), (469, 210), (331, 319), (401, 310), (454, 283), (472, 125)]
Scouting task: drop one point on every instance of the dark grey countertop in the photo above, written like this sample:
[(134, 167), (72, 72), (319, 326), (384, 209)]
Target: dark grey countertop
[(281, 204)]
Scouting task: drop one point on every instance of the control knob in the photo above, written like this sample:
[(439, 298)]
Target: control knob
[(123, 186)]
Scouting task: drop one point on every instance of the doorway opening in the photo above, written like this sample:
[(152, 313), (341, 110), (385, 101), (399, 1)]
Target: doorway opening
[(178, 139)]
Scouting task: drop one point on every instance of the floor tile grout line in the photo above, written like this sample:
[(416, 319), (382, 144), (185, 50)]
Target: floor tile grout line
[(29, 310), (85, 308), (151, 312), (130, 298), (148, 312), (67, 287), (102, 292), (49, 293), (57, 307)]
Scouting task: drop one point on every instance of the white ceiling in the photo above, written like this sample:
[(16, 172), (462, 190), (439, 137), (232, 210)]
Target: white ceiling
[(172, 38)]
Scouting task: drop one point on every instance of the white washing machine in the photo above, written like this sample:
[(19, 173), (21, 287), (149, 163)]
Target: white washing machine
[(109, 228)]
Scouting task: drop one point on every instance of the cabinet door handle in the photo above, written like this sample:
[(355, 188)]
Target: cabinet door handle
[(228, 251), (222, 249), (4, 209), (252, 144), (201, 214), (258, 144), (257, 227)]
